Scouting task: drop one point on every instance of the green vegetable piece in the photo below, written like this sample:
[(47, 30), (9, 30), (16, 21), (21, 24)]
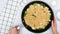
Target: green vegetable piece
[(42, 4), (33, 15), (34, 4)]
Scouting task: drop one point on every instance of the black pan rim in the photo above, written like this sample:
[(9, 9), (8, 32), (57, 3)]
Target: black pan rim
[(29, 28)]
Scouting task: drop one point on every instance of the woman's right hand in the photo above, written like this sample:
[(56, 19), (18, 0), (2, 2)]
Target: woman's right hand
[(54, 26)]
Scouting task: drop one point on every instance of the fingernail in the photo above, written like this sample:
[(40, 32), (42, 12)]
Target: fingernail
[(18, 27)]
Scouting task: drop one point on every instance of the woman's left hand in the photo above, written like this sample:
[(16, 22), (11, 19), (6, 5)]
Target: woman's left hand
[(14, 30)]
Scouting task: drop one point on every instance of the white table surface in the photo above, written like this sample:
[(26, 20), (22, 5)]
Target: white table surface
[(17, 21)]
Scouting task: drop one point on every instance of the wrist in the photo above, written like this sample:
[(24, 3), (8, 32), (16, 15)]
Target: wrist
[(55, 32)]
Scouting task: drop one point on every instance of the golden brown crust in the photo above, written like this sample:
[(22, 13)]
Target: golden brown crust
[(37, 16)]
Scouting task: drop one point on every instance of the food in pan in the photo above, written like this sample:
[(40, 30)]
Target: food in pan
[(37, 16)]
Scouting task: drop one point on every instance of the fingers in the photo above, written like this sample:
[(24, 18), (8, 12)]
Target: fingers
[(17, 28), (52, 24), (55, 22), (14, 28)]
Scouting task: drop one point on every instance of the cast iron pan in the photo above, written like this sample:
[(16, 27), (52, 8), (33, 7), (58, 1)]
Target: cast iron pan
[(37, 30)]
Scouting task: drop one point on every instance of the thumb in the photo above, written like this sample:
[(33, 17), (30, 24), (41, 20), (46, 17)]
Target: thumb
[(17, 28)]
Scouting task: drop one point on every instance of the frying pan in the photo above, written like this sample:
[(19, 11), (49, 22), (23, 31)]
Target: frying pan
[(37, 30)]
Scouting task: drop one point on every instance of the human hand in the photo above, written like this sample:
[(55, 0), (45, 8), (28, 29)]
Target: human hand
[(54, 26), (14, 30)]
